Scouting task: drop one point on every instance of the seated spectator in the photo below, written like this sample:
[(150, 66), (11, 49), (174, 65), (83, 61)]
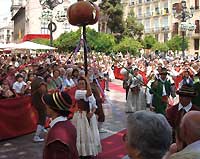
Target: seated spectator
[(190, 134), (149, 135), (19, 87), (51, 86), (6, 92)]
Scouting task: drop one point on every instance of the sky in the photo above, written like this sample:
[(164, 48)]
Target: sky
[(4, 9)]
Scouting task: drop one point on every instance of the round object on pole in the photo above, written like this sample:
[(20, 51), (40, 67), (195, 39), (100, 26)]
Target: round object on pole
[(83, 13), (52, 26)]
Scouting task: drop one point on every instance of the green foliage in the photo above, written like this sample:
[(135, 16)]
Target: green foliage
[(176, 43), (149, 41), (41, 41), (113, 10), (104, 43), (160, 46), (128, 45), (67, 42), (132, 27), (99, 42)]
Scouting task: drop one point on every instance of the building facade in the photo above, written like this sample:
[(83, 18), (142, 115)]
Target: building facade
[(36, 26), (158, 20), (6, 31)]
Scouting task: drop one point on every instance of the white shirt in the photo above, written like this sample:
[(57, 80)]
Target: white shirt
[(81, 94), (17, 86), (56, 120), (187, 108)]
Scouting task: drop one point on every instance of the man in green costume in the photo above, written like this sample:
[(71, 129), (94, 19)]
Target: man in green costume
[(161, 89), (196, 99)]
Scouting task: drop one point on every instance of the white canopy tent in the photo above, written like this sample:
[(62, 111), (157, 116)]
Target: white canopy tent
[(33, 46), (8, 46)]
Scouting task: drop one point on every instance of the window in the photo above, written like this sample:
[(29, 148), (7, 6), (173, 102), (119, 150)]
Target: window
[(156, 24), (196, 44), (165, 21), (196, 4), (156, 36), (157, 10), (131, 2), (140, 12), (139, 1), (148, 12), (44, 28), (197, 30), (175, 28), (147, 25), (165, 37)]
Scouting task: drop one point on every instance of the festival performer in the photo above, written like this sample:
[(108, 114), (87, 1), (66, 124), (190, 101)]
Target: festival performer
[(84, 119), (98, 94), (61, 138), (196, 100), (175, 113), (161, 90), (136, 97), (38, 89)]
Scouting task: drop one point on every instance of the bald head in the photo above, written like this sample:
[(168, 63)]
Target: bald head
[(190, 127)]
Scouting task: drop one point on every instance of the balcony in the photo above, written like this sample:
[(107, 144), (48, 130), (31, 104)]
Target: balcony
[(156, 13), (147, 30), (165, 29), (147, 1), (140, 16), (148, 14), (157, 29), (165, 11)]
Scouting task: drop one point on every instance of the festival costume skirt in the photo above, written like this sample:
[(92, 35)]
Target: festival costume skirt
[(88, 139)]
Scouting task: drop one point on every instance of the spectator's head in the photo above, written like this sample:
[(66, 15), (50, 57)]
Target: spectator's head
[(19, 77), (56, 73), (62, 71), (190, 127), (186, 92), (75, 72), (149, 135)]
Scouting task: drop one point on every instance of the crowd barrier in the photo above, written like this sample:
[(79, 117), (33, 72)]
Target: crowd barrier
[(19, 117), (117, 73)]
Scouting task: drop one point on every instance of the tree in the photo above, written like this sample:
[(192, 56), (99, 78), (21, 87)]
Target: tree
[(112, 11), (176, 42), (104, 43), (160, 47), (41, 41), (149, 41), (128, 44), (132, 27), (67, 42)]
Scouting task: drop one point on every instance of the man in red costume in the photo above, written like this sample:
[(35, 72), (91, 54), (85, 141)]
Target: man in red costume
[(61, 138)]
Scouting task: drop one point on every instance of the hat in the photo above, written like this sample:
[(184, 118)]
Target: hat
[(163, 71), (58, 101), (186, 90)]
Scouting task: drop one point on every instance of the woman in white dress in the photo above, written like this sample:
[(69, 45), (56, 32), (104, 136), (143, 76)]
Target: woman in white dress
[(84, 119), (136, 95)]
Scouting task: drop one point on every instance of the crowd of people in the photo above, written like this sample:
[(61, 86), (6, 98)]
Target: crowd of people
[(168, 87)]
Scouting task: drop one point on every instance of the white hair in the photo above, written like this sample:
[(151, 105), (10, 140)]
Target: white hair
[(150, 133)]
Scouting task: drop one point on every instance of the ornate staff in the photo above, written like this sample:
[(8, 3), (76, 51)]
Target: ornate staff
[(83, 13)]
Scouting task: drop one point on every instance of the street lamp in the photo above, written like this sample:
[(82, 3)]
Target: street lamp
[(183, 16), (47, 15)]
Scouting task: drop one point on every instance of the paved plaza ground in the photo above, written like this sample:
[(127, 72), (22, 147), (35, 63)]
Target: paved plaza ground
[(23, 147)]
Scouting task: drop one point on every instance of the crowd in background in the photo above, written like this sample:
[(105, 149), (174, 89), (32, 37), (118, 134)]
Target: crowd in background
[(164, 85)]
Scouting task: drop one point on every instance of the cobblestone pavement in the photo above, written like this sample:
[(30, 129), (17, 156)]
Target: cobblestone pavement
[(23, 147)]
